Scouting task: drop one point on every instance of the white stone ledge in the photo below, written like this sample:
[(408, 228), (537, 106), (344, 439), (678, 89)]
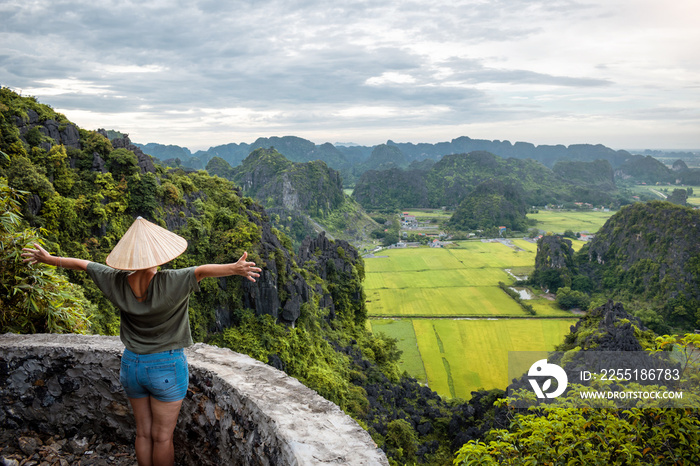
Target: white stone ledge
[(237, 410)]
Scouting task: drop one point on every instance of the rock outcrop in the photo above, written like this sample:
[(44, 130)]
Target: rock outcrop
[(554, 262), (651, 251), (614, 329), (66, 134), (340, 265), (280, 290), (145, 162), (554, 252)]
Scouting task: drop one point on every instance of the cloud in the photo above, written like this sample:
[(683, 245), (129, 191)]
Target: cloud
[(306, 66)]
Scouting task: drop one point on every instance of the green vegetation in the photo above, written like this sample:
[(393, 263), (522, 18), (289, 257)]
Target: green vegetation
[(33, 299), (562, 435), (646, 169), (648, 256), (448, 181), (569, 299), (492, 204), (595, 175), (405, 335), (487, 342), (81, 199)]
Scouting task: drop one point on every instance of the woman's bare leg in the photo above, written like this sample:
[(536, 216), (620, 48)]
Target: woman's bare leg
[(155, 424), (144, 422), (165, 414)]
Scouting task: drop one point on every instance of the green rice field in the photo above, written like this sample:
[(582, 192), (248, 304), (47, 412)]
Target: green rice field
[(456, 357), (556, 221), (460, 281), (453, 323), (423, 215)]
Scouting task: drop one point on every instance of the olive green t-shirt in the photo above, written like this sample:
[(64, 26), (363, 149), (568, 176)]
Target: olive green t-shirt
[(159, 323)]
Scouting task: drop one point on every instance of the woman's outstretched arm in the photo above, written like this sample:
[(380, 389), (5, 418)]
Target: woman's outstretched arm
[(241, 267), (32, 256)]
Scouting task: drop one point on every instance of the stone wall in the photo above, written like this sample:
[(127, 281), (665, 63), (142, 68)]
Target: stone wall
[(238, 411)]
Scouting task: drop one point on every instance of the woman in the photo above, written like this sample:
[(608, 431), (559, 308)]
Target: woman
[(154, 324)]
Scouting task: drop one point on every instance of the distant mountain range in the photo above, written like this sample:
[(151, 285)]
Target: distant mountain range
[(353, 160)]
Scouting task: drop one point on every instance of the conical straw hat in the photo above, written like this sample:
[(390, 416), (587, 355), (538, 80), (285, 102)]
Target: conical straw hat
[(145, 245)]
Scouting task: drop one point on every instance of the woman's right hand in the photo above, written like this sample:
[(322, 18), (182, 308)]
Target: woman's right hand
[(32, 256)]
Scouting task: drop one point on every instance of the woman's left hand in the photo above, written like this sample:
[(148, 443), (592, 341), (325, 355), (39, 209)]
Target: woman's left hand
[(247, 269)]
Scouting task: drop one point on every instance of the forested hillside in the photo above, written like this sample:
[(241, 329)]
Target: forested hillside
[(76, 192), (492, 204), (301, 198), (597, 174), (649, 254), (450, 180)]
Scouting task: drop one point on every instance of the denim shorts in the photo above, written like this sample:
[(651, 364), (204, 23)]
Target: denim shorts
[(164, 376)]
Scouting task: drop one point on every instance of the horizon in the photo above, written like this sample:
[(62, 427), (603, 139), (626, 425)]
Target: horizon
[(695, 151), (621, 73)]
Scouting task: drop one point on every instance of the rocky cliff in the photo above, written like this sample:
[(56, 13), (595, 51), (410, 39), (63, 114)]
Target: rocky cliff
[(311, 187), (301, 199), (339, 264), (34, 124), (101, 185), (145, 162), (281, 290), (607, 328), (554, 263)]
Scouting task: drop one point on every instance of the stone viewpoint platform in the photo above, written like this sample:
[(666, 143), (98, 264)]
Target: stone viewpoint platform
[(238, 411)]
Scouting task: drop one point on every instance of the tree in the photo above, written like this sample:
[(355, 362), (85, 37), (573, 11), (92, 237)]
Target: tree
[(391, 237), (678, 196), (401, 440), (122, 162), (569, 299)]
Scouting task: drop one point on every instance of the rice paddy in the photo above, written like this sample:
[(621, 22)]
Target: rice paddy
[(557, 221), (453, 323)]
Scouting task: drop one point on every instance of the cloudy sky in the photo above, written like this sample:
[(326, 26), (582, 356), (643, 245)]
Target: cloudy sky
[(199, 73)]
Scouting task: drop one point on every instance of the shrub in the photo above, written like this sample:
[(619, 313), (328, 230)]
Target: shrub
[(33, 299)]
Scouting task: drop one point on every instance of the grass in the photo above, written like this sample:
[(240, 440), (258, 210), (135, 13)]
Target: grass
[(556, 221), (435, 278), (451, 282), (488, 343)]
